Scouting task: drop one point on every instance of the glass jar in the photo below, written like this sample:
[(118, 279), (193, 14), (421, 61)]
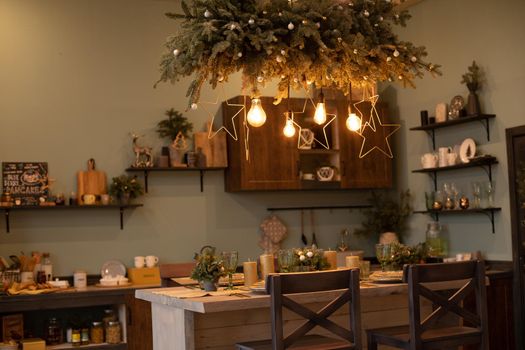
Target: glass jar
[(75, 337), (84, 336), (113, 332), (436, 244), (53, 332), (97, 332), (109, 315)]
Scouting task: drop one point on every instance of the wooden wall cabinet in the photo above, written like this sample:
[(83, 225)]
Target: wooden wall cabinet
[(276, 163)]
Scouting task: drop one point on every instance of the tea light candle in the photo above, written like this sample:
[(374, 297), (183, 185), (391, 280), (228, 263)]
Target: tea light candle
[(331, 257), (250, 273), (267, 265), (352, 262)]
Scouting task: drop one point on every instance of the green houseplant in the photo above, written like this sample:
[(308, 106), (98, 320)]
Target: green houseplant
[(125, 187), (386, 215), (473, 79), (176, 128), (208, 268)]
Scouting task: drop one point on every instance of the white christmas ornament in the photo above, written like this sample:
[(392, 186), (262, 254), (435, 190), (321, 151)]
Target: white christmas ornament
[(318, 25), (260, 79), (396, 53), (309, 254), (207, 14), (279, 59), (194, 106), (366, 13), (251, 21), (283, 52), (388, 59), (232, 27), (176, 52), (291, 26), (413, 59)]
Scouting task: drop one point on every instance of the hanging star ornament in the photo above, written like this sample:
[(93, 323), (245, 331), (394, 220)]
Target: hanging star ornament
[(371, 139)]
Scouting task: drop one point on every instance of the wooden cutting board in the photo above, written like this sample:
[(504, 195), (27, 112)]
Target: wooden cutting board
[(214, 149), (91, 181)]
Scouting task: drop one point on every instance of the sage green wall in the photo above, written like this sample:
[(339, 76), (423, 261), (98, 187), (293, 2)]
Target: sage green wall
[(455, 33), (76, 77)]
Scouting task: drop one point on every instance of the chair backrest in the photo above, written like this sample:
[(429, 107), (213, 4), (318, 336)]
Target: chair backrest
[(168, 271), (427, 280), (281, 286)]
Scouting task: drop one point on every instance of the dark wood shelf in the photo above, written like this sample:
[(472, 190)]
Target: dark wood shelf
[(430, 128), (146, 172), (7, 210), (331, 207), (487, 211), (103, 346), (487, 160)]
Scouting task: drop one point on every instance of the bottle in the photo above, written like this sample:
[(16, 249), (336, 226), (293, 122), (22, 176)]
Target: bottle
[(47, 267), (53, 332), (84, 336), (75, 336), (436, 244)]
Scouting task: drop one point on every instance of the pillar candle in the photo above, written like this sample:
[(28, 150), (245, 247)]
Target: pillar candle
[(352, 262), (250, 273), (267, 265), (331, 257)]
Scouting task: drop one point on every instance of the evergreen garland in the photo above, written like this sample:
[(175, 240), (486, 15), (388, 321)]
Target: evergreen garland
[(331, 43)]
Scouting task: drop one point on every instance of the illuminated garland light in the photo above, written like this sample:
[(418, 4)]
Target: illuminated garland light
[(320, 110), (289, 128), (256, 115), (353, 122)]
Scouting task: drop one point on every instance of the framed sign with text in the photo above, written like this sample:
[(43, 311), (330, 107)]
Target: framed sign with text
[(27, 181)]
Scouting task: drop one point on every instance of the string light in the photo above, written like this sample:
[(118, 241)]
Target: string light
[(320, 110), (289, 128), (256, 115), (353, 122)]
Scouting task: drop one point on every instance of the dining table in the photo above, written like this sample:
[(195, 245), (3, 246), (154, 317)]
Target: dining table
[(187, 318)]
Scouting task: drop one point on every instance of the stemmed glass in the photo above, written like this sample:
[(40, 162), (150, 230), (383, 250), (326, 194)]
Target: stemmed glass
[(285, 260), (229, 261), (384, 255)]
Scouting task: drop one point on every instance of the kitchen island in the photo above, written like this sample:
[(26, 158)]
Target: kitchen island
[(185, 321)]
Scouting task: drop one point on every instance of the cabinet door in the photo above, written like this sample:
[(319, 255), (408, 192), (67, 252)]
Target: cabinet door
[(273, 158), (139, 331), (375, 169)]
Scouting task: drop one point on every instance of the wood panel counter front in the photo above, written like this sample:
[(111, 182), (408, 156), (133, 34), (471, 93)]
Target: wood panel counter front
[(219, 321)]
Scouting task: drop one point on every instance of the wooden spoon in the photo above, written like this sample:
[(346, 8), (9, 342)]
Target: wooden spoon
[(303, 237)]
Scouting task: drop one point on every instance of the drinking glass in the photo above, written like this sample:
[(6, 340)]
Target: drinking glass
[(487, 195), (384, 255), (429, 199), (285, 260), (476, 193), (229, 261)]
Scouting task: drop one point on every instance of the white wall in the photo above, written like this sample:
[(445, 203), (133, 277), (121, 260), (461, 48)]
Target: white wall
[(76, 77)]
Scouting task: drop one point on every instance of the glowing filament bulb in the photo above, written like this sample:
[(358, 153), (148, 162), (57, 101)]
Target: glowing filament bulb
[(353, 122), (256, 115), (320, 110), (289, 129)]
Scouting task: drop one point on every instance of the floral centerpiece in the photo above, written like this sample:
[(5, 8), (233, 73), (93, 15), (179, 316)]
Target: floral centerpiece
[(208, 269), (308, 259), (400, 254), (125, 187)]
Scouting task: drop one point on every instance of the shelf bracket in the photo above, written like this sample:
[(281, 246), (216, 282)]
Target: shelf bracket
[(433, 175), (146, 181), (488, 170), (6, 220), (486, 124), (121, 209), (432, 134), (490, 215), (202, 179)]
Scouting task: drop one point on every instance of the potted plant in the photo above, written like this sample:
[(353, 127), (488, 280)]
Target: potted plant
[(208, 268), (386, 217), (124, 188), (175, 128), (473, 79)]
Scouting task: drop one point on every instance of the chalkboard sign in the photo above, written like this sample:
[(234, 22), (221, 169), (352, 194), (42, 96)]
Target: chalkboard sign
[(26, 181)]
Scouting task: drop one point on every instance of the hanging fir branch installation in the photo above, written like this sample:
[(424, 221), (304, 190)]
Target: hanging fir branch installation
[(331, 43)]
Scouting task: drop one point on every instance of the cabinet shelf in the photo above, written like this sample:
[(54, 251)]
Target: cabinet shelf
[(7, 210), (487, 211), (103, 346), (146, 172), (430, 128)]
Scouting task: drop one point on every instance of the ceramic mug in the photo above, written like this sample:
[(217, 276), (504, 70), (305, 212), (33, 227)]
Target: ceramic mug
[(443, 156), (429, 160), (140, 261), (151, 260), (89, 199), (452, 158), (104, 199)]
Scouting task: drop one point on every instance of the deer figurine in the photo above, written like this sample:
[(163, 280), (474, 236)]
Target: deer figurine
[(143, 155)]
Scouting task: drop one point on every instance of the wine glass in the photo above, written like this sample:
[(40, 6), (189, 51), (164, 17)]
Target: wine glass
[(229, 261), (285, 260), (384, 255)]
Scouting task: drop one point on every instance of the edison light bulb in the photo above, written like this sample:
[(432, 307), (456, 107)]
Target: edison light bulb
[(289, 129), (353, 122), (256, 115), (320, 110)]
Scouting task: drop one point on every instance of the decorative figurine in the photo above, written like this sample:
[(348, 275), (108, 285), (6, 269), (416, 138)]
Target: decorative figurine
[(449, 203), (143, 155), (437, 205), (464, 202)]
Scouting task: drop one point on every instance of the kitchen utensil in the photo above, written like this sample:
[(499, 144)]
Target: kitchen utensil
[(303, 237), (314, 239), (91, 181)]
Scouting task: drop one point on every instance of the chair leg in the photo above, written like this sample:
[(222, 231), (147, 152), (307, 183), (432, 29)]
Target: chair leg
[(370, 341)]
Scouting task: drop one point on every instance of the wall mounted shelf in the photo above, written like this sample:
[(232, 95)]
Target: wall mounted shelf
[(146, 172), (484, 162), (431, 128), (487, 211), (7, 210), (333, 207)]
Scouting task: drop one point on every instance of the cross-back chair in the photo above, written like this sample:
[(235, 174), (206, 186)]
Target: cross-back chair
[(427, 333), (282, 287)]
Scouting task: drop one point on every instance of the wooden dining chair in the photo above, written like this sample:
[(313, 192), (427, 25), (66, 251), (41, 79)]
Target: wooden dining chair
[(169, 271), (429, 281), (282, 287)]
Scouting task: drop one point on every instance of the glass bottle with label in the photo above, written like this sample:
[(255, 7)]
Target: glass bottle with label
[(47, 267), (53, 332), (437, 246)]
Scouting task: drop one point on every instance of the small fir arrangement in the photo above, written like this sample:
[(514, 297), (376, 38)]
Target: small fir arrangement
[(406, 254), (209, 267), (386, 214), (309, 259), (174, 125), (473, 78), (125, 185)]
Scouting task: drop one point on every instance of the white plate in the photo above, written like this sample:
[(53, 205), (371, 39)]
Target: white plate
[(113, 268), (467, 150)]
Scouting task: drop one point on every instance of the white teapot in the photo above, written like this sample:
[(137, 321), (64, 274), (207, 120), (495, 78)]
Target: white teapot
[(429, 160)]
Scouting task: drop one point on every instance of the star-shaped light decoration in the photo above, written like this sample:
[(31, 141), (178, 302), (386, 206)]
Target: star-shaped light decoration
[(368, 132), (370, 121)]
